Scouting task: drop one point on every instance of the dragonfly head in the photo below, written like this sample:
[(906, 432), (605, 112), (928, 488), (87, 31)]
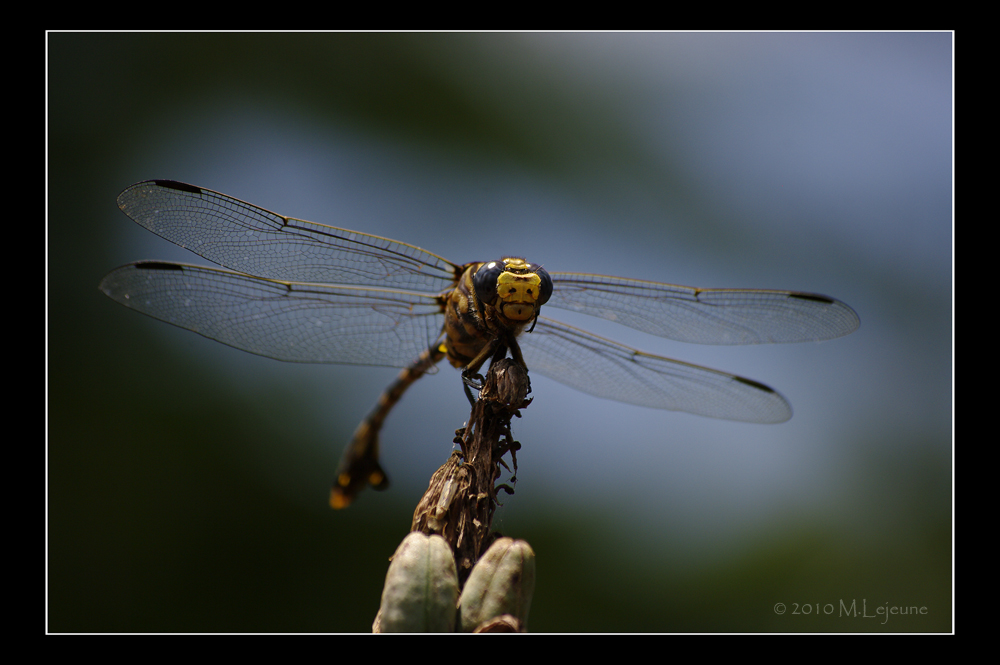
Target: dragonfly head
[(515, 287)]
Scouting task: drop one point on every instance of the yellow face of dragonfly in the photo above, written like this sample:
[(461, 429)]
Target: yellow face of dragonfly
[(516, 288)]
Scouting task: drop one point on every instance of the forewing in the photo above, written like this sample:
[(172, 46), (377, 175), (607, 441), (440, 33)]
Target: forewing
[(614, 371), (249, 239), (292, 321), (704, 316)]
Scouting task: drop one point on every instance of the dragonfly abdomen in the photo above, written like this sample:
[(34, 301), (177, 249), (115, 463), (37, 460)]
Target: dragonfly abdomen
[(359, 464)]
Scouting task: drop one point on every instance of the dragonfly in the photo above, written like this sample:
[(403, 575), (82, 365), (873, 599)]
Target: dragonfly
[(299, 291)]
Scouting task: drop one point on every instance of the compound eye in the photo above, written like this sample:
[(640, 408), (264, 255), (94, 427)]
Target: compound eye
[(545, 288), (485, 281)]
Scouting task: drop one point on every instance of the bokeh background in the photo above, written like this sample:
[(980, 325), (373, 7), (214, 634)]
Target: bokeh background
[(188, 482)]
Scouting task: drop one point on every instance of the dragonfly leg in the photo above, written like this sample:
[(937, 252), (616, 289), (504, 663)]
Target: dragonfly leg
[(498, 350), (471, 377), (359, 464), (472, 382)]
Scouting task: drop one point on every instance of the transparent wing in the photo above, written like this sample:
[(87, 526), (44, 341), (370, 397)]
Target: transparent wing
[(614, 371), (297, 322), (704, 316), (251, 240)]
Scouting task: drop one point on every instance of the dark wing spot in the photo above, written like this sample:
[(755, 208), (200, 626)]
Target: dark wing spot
[(755, 384), (815, 297), (181, 186)]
